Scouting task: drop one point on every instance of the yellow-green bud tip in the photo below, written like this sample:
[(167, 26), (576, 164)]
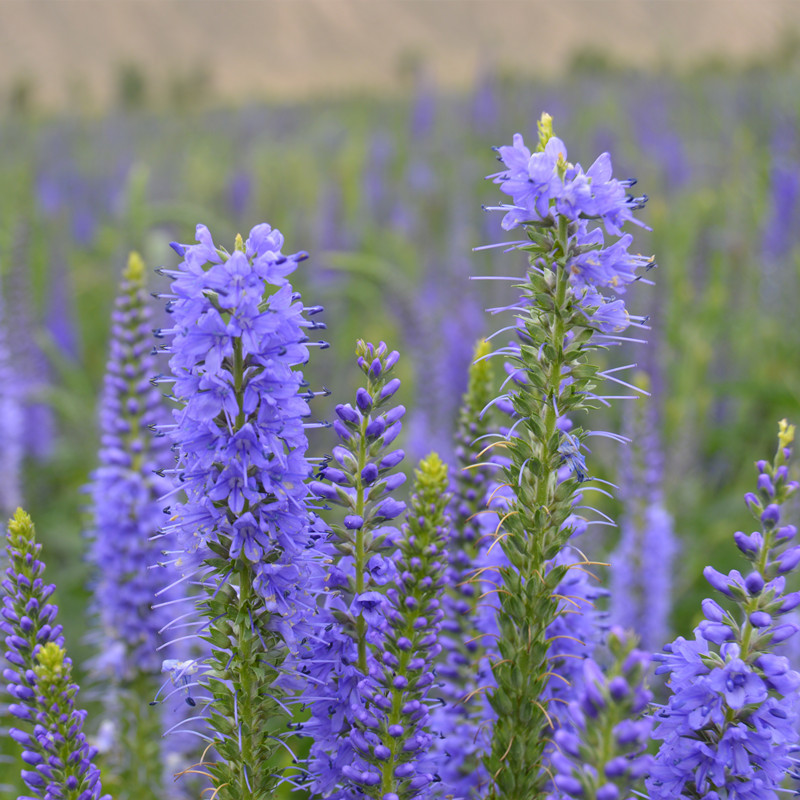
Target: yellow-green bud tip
[(238, 243), (20, 526), (482, 349), (50, 662), (480, 371), (432, 474), (785, 434), (545, 126), (134, 271)]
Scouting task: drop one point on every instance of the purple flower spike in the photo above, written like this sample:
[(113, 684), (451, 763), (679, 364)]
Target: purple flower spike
[(728, 729), (43, 684), (244, 531), (125, 492), (400, 673), (346, 707)]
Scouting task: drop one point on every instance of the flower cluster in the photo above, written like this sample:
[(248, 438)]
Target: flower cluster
[(125, 491), (245, 526), (641, 566), (360, 479), (12, 423), (554, 199), (731, 723), (600, 754), (461, 667), (59, 763), (560, 319), (393, 735)]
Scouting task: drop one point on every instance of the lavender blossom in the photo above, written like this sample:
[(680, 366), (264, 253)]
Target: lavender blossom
[(244, 530), (31, 369), (126, 516), (460, 717), (59, 763), (12, 418), (125, 492), (730, 725)]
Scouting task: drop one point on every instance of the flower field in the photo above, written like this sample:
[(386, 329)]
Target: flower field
[(300, 513)]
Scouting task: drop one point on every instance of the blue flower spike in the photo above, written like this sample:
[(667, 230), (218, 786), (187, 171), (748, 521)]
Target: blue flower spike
[(729, 728), (59, 762), (570, 307), (245, 531)]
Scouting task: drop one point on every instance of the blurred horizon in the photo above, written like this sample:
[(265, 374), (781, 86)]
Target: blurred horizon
[(82, 55)]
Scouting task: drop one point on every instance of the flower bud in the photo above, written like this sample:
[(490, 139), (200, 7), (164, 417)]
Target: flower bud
[(718, 581), (363, 399), (713, 610)]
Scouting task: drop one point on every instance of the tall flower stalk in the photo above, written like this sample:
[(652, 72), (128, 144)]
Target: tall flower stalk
[(641, 567), (125, 518), (59, 763), (243, 531), (360, 479), (566, 213), (397, 739), (460, 717), (729, 728)]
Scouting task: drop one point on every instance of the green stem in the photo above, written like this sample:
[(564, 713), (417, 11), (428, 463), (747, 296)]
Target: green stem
[(554, 382), (238, 381), (360, 565), (247, 725)]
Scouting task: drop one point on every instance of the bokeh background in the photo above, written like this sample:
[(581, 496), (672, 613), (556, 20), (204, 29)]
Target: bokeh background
[(363, 130)]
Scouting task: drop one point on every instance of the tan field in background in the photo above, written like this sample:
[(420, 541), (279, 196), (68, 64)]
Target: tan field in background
[(284, 48)]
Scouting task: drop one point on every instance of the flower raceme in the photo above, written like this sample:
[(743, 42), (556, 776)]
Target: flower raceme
[(59, 763), (394, 737), (244, 530), (730, 725), (360, 478), (549, 192), (126, 516), (125, 489), (461, 666), (563, 316)]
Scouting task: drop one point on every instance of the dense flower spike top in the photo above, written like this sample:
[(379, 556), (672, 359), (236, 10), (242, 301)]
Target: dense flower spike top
[(235, 345), (125, 492), (562, 317), (731, 723), (554, 199), (58, 759), (245, 527)]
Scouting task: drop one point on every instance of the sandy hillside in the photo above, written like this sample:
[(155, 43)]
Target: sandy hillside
[(286, 47)]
